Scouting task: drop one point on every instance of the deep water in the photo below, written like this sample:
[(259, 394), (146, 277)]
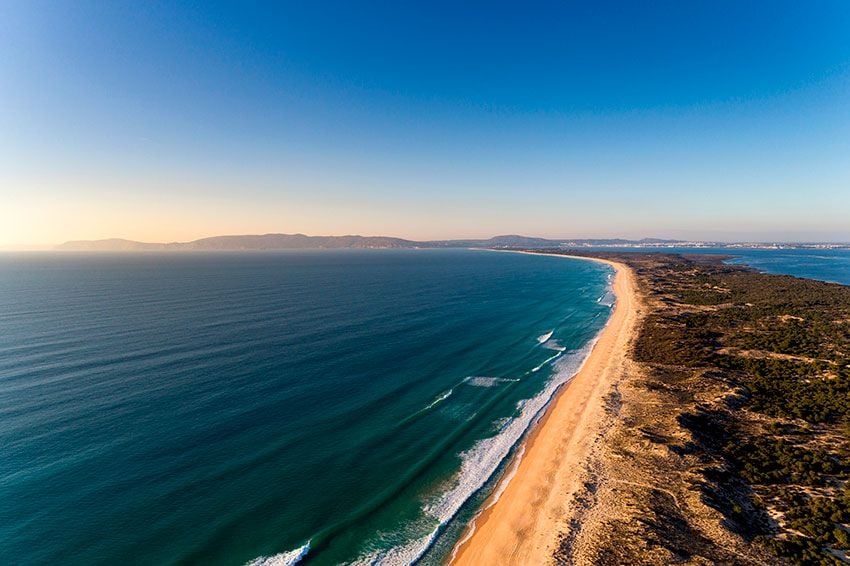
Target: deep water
[(216, 408)]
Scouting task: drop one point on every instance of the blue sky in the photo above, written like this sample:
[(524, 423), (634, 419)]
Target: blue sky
[(172, 121)]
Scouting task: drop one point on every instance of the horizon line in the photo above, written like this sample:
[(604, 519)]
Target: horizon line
[(53, 246)]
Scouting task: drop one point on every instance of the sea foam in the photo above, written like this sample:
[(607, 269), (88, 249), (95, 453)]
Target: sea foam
[(283, 559), (440, 398), (479, 463), (480, 381), (542, 364), (544, 337)]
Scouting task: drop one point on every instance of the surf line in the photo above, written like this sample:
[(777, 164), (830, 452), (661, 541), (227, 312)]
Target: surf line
[(289, 558)]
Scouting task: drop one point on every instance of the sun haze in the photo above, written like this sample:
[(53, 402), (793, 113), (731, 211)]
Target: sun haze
[(163, 122)]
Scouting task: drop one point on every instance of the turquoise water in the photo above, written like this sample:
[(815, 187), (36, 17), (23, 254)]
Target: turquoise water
[(220, 408)]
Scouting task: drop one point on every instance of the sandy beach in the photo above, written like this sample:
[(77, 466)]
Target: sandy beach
[(523, 525)]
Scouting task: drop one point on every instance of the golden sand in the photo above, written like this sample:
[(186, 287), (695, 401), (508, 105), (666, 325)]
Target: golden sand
[(523, 525)]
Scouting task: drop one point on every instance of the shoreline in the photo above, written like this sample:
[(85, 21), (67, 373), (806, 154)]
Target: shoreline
[(522, 524)]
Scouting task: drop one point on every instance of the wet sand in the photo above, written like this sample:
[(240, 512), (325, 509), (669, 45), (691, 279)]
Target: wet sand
[(523, 525)]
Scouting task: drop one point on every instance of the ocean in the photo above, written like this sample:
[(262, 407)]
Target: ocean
[(832, 265), (232, 408), (318, 407)]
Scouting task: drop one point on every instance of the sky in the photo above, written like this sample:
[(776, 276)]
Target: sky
[(171, 121)]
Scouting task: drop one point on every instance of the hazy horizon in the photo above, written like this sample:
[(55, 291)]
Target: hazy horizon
[(53, 246), (424, 282), (175, 122)]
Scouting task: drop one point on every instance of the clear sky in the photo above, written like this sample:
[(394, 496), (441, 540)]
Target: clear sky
[(167, 121)]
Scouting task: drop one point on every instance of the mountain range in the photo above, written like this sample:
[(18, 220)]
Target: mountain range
[(302, 241)]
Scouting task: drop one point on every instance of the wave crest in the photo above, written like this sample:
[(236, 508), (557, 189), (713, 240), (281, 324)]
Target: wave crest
[(283, 559), (480, 462), (544, 337)]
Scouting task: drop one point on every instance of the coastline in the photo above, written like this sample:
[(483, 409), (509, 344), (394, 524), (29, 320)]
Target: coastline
[(522, 525)]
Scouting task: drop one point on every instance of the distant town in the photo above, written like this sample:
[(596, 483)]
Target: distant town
[(698, 244), (302, 241)]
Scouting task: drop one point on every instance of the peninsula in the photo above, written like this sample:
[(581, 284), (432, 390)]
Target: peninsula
[(709, 425)]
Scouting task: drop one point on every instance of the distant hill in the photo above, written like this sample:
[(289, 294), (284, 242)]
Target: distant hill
[(303, 242), (248, 242), (111, 245), (294, 242), (507, 241)]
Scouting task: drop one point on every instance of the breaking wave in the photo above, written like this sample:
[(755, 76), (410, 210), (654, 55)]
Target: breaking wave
[(554, 345), (542, 364), (479, 381), (283, 559), (480, 462), (440, 398), (544, 337)]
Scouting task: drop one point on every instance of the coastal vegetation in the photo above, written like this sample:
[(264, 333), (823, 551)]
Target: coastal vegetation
[(750, 374)]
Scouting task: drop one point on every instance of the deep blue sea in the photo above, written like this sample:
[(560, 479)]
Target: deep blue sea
[(222, 408)]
